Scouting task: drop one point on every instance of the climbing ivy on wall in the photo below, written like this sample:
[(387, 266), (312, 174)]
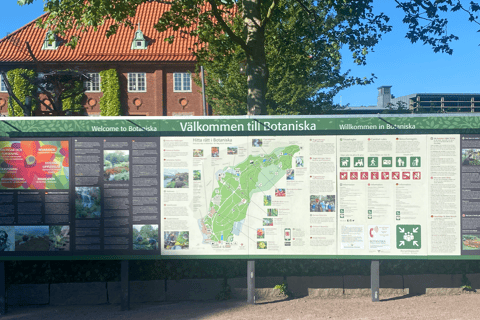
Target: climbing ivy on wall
[(21, 88), (74, 103), (110, 101)]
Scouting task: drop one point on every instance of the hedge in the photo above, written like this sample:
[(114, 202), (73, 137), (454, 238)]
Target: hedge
[(21, 272), (110, 101), (21, 88)]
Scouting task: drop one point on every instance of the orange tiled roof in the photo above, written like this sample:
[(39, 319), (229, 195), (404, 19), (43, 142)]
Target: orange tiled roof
[(94, 46)]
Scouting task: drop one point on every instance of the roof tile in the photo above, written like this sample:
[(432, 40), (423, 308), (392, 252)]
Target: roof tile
[(94, 46)]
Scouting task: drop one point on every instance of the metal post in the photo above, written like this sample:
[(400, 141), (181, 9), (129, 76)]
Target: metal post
[(3, 304), (251, 282), (125, 286), (375, 280)]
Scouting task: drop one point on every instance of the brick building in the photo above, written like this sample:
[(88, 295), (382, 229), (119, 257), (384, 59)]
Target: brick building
[(155, 76)]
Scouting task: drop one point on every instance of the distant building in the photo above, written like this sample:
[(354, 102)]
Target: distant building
[(417, 103), (435, 102)]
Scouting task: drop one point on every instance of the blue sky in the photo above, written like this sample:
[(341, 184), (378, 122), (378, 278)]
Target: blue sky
[(408, 68)]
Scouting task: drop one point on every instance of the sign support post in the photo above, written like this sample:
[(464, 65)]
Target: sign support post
[(375, 280), (251, 282), (125, 286), (3, 304)]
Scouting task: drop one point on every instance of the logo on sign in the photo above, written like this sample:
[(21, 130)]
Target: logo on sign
[(417, 175), (343, 175), (364, 175), (409, 236), (344, 162), (387, 161), (406, 175), (373, 162), (358, 162), (374, 175), (353, 176), (401, 161), (395, 175), (415, 161), (385, 175)]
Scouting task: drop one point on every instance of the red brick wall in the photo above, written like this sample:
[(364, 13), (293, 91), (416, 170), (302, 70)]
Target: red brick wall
[(159, 99), (173, 100)]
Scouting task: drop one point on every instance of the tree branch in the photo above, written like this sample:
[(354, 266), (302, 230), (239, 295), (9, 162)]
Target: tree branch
[(272, 7), (49, 97), (30, 52), (73, 94), (226, 28), (420, 3)]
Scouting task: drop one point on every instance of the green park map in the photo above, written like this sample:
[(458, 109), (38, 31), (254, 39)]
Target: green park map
[(236, 185)]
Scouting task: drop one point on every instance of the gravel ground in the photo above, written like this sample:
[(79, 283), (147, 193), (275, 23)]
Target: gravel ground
[(460, 306)]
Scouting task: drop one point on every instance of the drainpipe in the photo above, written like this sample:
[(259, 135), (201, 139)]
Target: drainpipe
[(204, 102)]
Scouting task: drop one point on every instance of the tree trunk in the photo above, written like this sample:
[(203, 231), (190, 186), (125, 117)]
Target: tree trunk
[(257, 72)]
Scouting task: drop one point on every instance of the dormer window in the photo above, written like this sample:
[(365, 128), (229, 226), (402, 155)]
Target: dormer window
[(139, 41), (51, 41)]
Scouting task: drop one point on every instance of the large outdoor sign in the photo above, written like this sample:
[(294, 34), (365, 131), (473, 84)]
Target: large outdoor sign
[(240, 187)]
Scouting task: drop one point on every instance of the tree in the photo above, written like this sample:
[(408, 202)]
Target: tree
[(303, 63), (427, 21), (226, 26), (58, 88)]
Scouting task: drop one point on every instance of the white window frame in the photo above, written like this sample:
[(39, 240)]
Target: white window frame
[(135, 80), (182, 82), (3, 87), (94, 84)]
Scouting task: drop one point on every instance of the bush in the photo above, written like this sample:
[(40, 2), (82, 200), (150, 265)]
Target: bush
[(122, 176), (21, 88), (20, 272)]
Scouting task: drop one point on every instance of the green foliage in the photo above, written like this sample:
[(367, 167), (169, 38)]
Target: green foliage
[(116, 158), (110, 101), (21, 272), (146, 231), (303, 60), (122, 176), (74, 103), (302, 39), (283, 288), (21, 88), (399, 107)]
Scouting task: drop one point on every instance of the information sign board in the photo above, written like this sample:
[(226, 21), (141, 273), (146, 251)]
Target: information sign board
[(240, 187)]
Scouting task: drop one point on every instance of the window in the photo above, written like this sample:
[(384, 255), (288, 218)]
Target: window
[(51, 41), (181, 82), (3, 88), (94, 84), (137, 82), (139, 41)]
